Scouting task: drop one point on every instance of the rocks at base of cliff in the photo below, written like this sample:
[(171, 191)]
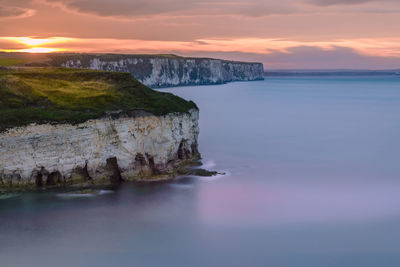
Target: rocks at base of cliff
[(146, 171), (108, 150)]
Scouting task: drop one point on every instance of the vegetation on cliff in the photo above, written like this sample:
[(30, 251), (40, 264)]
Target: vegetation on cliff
[(59, 95), (57, 59), (156, 71)]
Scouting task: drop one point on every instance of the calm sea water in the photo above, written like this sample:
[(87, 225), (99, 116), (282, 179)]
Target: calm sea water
[(313, 179)]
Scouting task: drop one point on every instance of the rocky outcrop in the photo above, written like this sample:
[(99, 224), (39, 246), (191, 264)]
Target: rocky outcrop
[(111, 149), (166, 70)]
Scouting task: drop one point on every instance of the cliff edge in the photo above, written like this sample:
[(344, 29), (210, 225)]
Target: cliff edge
[(68, 126), (165, 70)]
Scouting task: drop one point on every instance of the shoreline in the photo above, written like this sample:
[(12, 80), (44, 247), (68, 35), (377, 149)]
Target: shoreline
[(181, 171)]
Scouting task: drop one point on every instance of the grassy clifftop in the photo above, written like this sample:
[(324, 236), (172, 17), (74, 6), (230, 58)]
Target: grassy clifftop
[(56, 59), (58, 95)]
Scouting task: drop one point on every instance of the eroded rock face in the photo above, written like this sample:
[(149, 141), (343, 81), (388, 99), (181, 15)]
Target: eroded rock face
[(108, 149), (164, 72)]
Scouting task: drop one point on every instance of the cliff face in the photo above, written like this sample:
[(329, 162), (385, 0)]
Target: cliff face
[(164, 71), (101, 150)]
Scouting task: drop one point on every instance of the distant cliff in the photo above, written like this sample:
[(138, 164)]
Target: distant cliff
[(165, 70)]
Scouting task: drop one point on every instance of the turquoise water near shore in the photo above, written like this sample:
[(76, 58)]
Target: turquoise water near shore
[(312, 179)]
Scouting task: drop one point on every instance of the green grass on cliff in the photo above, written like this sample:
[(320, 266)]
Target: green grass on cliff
[(58, 95), (10, 61)]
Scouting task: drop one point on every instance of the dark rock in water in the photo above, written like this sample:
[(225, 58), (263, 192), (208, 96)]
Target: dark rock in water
[(198, 172), (203, 172)]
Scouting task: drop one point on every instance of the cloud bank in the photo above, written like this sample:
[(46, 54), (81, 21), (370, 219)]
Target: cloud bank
[(287, 33), (255, 8), (143, 8), (12, 12)]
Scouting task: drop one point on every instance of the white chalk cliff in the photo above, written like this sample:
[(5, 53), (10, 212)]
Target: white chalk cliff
[(164, 71), (122, 148)]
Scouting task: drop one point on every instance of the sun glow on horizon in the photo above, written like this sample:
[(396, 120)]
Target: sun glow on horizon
[(382, 47), (36, 50), (34, 42), (35, 45)]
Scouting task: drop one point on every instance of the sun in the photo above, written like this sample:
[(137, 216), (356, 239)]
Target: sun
[(37, 45), (36, 50)]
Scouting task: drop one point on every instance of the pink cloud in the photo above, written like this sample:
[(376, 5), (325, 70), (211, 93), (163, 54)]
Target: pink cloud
[(263, 30), (12, 12)]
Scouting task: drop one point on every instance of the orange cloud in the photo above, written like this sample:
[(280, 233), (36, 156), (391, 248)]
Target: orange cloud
[(383, 47)]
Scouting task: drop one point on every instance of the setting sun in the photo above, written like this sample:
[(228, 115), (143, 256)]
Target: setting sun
[(38, 41), (34, 44), (37, 50)]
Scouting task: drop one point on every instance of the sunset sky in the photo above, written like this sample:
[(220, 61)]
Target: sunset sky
[(281, 34)]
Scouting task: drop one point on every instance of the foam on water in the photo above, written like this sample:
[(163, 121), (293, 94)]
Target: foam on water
[(105, 192), (182, 186), (75, 195), (9, 195), (222, 175), (208, 164)]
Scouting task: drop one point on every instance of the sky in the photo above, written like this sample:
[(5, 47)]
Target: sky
[(284, 34)]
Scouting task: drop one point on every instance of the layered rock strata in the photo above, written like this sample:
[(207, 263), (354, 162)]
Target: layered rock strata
[(110, 149)]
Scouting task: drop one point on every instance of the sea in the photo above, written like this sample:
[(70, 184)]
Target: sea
[(311, 177)]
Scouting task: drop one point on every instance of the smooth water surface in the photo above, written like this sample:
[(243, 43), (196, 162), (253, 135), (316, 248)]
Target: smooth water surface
[(312, 179)]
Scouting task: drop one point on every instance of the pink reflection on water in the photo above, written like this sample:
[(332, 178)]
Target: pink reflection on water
[(293, 203)]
